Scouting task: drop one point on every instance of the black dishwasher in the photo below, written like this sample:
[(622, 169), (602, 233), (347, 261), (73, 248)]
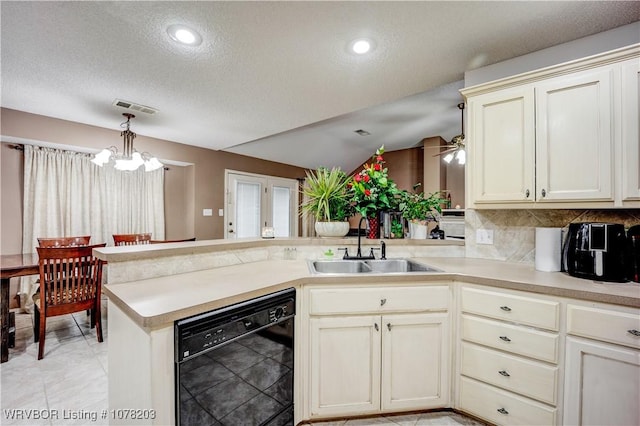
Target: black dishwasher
[(234, 366)]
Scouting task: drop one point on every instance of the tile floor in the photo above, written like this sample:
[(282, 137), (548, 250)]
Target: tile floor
[(69, 385)]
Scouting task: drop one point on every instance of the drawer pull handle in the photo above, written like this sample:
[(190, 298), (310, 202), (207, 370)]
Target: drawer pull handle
[(502, 411), (383, 301), (389, 326), (634, 332), (504, 373), (375, 324), (505, 339), (505, 308)]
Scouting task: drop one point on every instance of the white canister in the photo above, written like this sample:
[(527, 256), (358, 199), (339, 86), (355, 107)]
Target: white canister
[(548, 256)]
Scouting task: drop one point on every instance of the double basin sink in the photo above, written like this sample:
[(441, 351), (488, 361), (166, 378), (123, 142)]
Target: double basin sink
[(376, 266)]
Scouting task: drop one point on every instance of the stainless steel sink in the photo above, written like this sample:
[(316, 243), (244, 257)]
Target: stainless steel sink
[(388, 266), (398, 265)]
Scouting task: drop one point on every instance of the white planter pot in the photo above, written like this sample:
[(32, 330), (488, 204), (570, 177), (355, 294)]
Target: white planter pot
[(332, 229), (417, 231)]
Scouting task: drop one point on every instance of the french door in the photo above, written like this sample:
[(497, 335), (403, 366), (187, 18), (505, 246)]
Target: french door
[(256, 201)]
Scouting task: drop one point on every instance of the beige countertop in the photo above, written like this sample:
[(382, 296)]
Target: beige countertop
[(157, 302)]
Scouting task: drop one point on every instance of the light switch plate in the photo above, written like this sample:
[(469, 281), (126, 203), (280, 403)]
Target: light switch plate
[(221, 212), (484, 236), (207, 212)]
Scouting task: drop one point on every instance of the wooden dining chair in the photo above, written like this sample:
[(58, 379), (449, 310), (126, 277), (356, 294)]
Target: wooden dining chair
[(131, 239), (65, 241), (70, 281), (172, 241)]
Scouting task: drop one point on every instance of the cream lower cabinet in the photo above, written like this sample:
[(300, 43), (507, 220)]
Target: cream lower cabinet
[(396, 360), (508, 356), (602, 377)]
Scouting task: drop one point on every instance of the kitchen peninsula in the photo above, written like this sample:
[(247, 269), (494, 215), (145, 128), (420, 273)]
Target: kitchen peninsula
[(150, 287)]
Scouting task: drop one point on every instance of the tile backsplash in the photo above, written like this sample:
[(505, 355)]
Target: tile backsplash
[(514, 230)]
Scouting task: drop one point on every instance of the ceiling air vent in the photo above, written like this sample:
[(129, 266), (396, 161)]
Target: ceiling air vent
[(134, 107), (362, 132)]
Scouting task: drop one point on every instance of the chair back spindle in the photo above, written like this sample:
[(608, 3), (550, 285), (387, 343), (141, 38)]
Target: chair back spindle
[(131, 239)]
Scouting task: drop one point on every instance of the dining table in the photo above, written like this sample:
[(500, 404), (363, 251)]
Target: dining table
[(12, 265)]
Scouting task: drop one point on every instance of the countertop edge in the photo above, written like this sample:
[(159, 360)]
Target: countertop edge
[(299, 279)]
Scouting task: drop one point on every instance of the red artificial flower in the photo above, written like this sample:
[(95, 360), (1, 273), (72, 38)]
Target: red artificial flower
[(367, 192), (366, 178), (377, 167), (358, 178), (379, 158)]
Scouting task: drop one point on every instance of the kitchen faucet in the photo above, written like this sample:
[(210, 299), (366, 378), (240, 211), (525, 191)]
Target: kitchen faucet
[(359, 256)]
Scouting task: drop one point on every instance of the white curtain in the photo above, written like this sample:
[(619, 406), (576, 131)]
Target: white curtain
[(65, 194)]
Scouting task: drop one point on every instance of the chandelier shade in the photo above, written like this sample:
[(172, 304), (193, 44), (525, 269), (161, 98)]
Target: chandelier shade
[(129, 159)]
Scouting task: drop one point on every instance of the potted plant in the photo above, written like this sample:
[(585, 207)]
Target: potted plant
[(372, 191), (419, 209), (327, 201)]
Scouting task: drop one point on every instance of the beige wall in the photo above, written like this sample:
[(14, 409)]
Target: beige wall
[(188, 189)]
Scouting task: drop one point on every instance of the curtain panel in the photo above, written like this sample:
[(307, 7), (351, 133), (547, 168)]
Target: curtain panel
[(65, 194)]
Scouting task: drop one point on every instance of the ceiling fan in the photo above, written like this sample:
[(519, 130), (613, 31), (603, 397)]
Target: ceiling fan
[(456, 146)]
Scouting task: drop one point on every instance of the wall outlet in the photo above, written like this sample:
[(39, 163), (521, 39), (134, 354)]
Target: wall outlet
[(221, 212), (484, 236), (207, 212)]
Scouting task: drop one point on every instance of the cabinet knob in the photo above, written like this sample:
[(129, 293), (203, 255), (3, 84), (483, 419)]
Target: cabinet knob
[(505, 339), (389, 326), (505, 308), (527, 193), (634, 332), (504, 373), (375, 324), (502, 411), (383, 301), (544, 193)]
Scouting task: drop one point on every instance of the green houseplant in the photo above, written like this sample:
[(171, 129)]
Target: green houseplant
[(420, 208), (326, 199)]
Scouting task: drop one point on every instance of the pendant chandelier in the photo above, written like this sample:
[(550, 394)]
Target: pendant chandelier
[(129, 159)]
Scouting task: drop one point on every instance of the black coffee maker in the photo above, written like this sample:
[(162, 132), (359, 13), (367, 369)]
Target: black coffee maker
[(633, 253), (596, 251)]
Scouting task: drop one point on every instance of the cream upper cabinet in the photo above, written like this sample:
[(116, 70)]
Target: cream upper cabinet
[(574, 138), (503, 145), (630, 123), (561, 137)]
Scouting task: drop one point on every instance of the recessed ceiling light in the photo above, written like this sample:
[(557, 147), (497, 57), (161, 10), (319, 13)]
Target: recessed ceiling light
[(362, 132), (184, 35), (361, 46)]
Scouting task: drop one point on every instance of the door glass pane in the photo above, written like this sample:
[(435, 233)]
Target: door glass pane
[(247, 209), (280, 210)]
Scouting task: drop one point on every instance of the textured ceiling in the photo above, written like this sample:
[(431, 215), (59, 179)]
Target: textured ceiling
[(275, 80)]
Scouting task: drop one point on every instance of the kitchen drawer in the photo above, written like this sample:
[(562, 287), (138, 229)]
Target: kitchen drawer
[(360, 300), (526, 377), (502, 407), (511, 338), (508, 307), (606, 325)]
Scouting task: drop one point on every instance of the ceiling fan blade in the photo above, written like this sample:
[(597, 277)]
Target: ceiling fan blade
[(446, 152)]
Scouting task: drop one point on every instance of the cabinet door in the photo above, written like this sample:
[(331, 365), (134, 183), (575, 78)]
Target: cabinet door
[(602, 384), (415, 361), (630, 130), (345, 365), (502, 146), (574, 141)]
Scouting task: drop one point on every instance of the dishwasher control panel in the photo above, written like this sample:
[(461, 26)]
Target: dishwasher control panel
[(203, 332)]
